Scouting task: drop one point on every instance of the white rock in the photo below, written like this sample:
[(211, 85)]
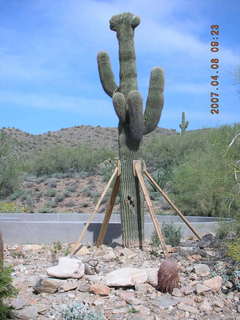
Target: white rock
[(125, 277), (152, 276), (214, 284), (67, 268), (202, 269)]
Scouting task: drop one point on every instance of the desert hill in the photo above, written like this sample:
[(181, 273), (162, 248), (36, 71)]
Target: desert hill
[(79, 135)]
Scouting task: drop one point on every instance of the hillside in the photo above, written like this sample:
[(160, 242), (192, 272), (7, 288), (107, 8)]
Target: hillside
[(66, 170), (97, 137)]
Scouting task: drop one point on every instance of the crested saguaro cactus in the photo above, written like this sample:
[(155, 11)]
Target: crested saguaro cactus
[(133, 122), (184, 124)]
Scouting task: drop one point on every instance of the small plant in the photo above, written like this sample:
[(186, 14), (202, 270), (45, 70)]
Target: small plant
[(234, 250), (227, 229), (59, 198), (50, 193), (14, 196), (171, 233), (72, 188), (132, 310), (80, 311), (57, 246), (46, 210), (6, 288)]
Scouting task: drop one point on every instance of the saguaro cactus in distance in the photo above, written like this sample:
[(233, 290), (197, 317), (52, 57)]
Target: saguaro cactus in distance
[(133, 122), (184, 124)]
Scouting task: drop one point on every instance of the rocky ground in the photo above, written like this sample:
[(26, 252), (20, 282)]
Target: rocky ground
[(119, 282)]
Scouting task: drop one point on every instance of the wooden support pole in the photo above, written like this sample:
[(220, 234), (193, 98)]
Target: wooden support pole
[(108, 213), (78, 245), (165, 196), (138, 171)]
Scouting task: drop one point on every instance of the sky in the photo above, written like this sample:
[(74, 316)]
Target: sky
[(48, 71)]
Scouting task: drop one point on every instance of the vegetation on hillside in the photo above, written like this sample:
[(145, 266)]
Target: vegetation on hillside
[(200, 170)]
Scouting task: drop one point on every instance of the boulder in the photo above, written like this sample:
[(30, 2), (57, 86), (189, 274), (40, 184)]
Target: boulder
[(202, 269), (126, 277), (47, 285), (67, 268), (214, 284)]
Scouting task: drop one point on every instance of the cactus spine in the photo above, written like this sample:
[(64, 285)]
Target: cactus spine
[(133, 122), (184, 124)]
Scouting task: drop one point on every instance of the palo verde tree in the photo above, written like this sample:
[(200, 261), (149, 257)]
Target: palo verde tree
[(133, 122)]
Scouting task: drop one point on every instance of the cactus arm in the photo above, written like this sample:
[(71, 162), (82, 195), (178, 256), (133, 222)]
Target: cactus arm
[(119, 103), (135, 114), (105, 73), (154, 103)]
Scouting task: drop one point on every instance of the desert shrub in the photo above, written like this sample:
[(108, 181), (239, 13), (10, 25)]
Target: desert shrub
[(80, 311), (171, 233), (59, 197), (61, 159), (11, 207), (164, 153), (204, 183), (6, 290), (50, 193), (72, 188), (10, 172), (233, 250), (46, 209)]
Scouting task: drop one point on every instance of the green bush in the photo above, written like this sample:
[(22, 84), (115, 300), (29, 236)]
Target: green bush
[(204, 183), (10, 173), (62, 159), (172, 235)]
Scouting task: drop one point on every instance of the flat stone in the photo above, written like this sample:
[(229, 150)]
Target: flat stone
[(202, 269), (68, 285), (165, 301), (187, 308), (18, 303), (28, 313), (47, 285), (125, 277), (67, 268), (200, 288), (152, 274), (83, 287), (188, 290), (176, 292), (100, 289), (214, 284)]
